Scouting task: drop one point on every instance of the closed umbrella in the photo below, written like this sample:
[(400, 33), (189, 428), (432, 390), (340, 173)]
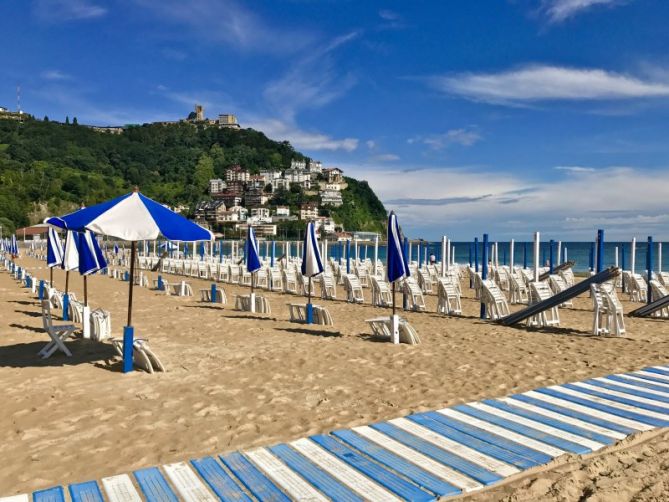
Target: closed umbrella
[(312, 264), (70, 262), (91, 260), (252, 259), (397, 268), (132, 217), (54, 252)]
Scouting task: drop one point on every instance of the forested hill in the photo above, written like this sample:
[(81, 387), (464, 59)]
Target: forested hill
[(50, 168)]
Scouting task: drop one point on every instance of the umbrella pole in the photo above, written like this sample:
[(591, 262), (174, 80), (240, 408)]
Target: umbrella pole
[(394, 323), (128, 330), (66, 298), (85, 291), (51, 277), (310, 309), (252, 299), (67, 280)]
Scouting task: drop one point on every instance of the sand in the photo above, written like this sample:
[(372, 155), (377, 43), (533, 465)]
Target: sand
[(237, 380)]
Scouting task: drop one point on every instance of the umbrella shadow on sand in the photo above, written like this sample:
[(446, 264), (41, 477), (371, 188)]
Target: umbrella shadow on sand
[(313, 332), (24, 355)]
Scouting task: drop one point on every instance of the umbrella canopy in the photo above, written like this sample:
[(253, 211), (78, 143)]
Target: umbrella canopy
[(397, 266), (312, 263), (91, 258), (251, 255), (71, 254), (54, 249), (133, 217)]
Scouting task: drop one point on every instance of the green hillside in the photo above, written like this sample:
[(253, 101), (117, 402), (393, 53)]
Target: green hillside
[(50, 168)]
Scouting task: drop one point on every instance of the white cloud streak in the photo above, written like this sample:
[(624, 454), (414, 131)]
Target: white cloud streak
[(462, 137), (535, 83), (558, 11), (300, 138), (55, 11)]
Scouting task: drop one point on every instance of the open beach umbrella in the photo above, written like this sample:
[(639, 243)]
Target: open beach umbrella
[(132, 217), (312, 264), (54, 252), (397, 267)]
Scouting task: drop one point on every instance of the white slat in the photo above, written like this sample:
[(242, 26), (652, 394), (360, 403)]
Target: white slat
[(296, 487), (338, 469), (612, 404), (120, 489), (633, 386), (653, 375), (625, 422), (626, 396), (478, 458), (593, 445), (417, 458), (16, 498), (505, 433), (564, 418), (189, 486), (636, 378)]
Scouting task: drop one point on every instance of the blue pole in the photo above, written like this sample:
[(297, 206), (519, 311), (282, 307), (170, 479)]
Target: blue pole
[(213, 293), (622, 256), (551, 258), (128, 336), (66, 305), (348, 256), (160, 284), (525, 255), (592, 256), (484, 268), (649, 265), (405, 300), (41, 290), (600, 250), (476, 254)]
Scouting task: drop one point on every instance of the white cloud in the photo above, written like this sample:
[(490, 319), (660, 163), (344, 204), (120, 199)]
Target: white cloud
[(301, 139), (371, 144), (231, 23), (55, 75), (575, 169), (462, 202), (544, 83), (462, 137), (54, 11), (386, 157), (561, 10)]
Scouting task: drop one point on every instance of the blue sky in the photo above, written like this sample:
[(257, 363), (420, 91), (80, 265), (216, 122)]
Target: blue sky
[(505, 116)]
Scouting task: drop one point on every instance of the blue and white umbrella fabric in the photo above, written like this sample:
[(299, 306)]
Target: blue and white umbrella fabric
[(312, 264), (71, 252), (91, 259), (54, 249), (15, 246), (397, 267), (251, 255)]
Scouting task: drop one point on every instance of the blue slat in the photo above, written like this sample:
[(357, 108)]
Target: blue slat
[(652, 379), (574, 414), (563, 444), (392, 461), (254, 480), (558, 424), (603, 407), (658, 371), (86, 492), (154, 485), (458, 463), (633, 392), (646, 384), (491, 450), (219, 480), (385, 478), (54, 494), (624, 400), (328, 485), (491, 438)]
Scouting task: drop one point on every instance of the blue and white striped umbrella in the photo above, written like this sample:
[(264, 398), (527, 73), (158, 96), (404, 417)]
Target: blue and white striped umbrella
[(91, 259), (54, 249), (71, 252), (312, 265), (397, 266), (251, 255), (133, 217), (15, 246)]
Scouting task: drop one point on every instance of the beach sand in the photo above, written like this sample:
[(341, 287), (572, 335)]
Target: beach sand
[(237, 380)]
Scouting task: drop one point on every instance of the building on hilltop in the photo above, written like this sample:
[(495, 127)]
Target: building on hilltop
[(237, 173), (333, 175), (331, 198), (107, 129), (298, 164), (309, 211), (261, 230), (255, 197)]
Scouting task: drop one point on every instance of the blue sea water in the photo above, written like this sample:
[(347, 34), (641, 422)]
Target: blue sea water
[(579, 252)]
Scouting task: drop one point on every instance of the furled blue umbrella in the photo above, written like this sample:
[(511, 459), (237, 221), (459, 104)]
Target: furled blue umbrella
[(312, 264), (15, 247), (70, 262), (397, 267), (54, 252), (252, 260), (132, 217), (91, 259)]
